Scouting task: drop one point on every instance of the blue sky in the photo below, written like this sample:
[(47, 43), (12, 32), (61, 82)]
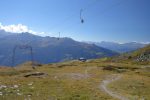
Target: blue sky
[(105, 20)]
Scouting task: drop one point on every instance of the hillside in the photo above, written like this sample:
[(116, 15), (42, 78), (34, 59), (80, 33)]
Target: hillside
[(74, 80), (141, 56), (142, 52), (46, 49)]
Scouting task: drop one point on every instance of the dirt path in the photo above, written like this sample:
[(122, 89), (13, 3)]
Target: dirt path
[(108, 80)]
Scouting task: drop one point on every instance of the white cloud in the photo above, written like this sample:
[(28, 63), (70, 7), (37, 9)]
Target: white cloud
[(19, 28)]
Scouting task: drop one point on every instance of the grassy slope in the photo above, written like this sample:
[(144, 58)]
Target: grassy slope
[(131, 57), (78, 80), (56, 84), (68, 81)]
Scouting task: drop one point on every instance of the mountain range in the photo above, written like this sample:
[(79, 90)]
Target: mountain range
[(120, 47), (46, 49)]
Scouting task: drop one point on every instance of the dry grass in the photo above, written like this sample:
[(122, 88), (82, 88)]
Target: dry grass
[(68, 81)]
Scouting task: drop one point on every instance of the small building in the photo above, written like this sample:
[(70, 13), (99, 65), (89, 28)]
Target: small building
[(82, 59)]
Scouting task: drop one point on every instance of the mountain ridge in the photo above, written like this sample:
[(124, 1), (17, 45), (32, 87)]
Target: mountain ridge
[(47, 49), (120, 47)]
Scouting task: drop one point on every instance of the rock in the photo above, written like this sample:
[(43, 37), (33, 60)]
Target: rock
[(1, 93), (18, 90), (30, 84), (19, 94), (3, 86), (29, 95), (144, 57), (36, 74), (16, 86), (109, 67), (138, 72)]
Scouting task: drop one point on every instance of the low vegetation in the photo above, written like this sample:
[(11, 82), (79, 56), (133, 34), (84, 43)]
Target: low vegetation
[(75, 80)]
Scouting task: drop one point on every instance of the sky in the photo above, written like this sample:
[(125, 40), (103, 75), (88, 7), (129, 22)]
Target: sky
[(104, 20)]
